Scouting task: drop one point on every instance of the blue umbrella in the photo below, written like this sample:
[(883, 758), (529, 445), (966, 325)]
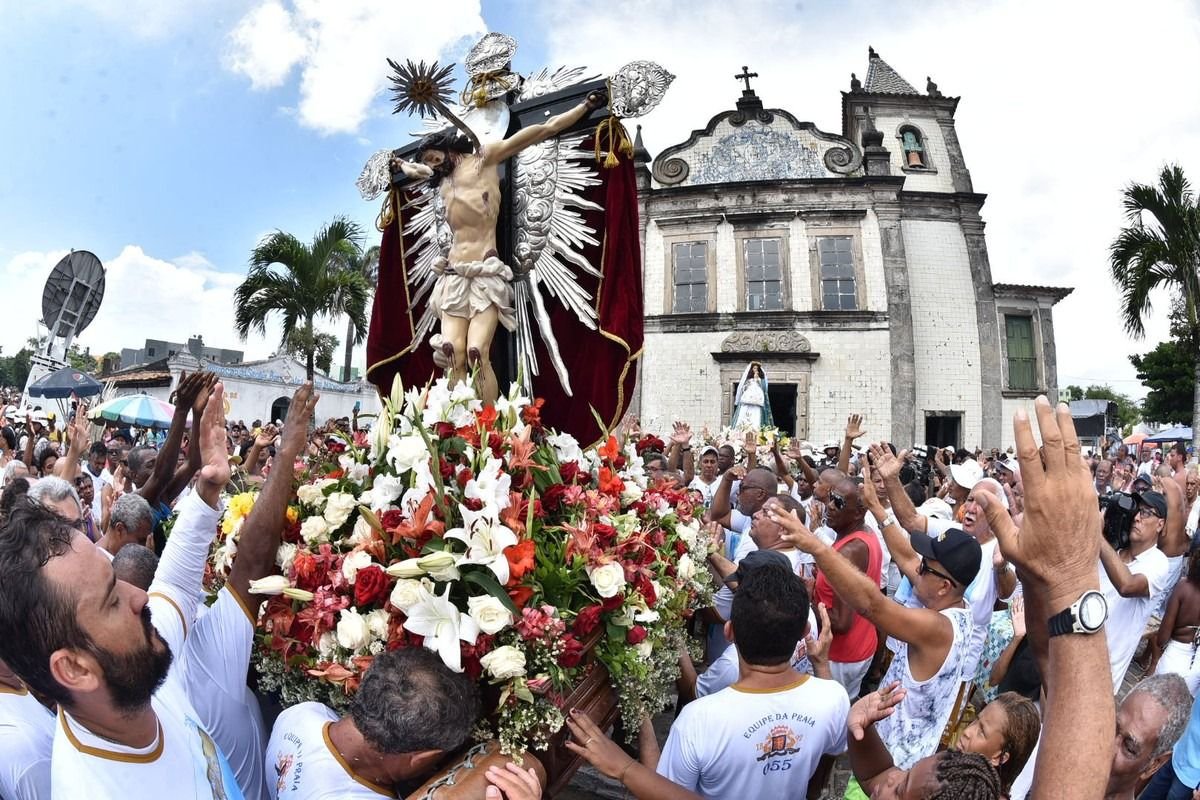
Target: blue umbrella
[(1181, 434), (63, 383)]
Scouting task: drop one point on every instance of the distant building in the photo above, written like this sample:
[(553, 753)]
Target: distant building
[(851, 265), (253, 390), (158, 349)]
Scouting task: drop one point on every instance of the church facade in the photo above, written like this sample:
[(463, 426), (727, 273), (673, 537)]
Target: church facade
[(852, 266)]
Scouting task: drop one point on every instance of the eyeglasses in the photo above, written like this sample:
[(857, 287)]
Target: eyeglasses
[(925, 569), (837, 500), (1147, 511)]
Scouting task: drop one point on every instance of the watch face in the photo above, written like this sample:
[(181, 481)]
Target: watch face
[(1092, 610)]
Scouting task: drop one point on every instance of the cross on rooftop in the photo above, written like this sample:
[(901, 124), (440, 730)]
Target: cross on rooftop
[(746, 75)]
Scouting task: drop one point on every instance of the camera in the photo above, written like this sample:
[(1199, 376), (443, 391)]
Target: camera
[(1119, 510)]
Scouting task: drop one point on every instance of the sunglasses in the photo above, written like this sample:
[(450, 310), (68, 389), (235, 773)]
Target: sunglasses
[(837, 500), (925, 569)]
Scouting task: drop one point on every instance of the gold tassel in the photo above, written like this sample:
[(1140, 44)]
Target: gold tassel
[(387, 214), (611, 132)]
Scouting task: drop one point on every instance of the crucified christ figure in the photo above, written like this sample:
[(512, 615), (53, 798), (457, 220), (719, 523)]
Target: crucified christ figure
[(473, 292)]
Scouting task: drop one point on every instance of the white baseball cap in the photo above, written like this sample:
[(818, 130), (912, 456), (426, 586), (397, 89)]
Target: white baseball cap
[(937, 508), (967, 474)]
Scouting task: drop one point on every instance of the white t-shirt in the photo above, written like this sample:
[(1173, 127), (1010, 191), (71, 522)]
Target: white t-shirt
[(981, 594), (302, 764), (183, 756), (215, 658), (98, 484), (1127, 616), (1193, 519), (756, 744), (724, 672), (723, 599), (872, 524), (709, 490), (26, 740)]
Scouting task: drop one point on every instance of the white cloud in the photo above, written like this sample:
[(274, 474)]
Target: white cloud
[(145, 297), (340, 47), (1059, 111)]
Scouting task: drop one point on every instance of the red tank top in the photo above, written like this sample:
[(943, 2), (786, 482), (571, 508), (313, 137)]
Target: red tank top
[(858, 643)]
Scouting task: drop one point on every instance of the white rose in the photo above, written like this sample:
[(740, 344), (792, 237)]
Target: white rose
[(608, 579), (377, 623), (353, 562), (644, 648), (631, 493), (326, 644), (352, 631), (407, 593), (338, 507), (489, 613), (405, 452), (285, 555), (354, 471), (646, 616), (504, 663), (313, 494), (689, 534), (566, 447), (314, 529), (686, 568)]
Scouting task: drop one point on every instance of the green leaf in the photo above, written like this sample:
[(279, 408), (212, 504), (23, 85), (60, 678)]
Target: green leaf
[(522, 692), (485, 580)]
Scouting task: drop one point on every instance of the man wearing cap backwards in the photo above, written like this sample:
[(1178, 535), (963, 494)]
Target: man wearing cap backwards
[(933, 639), (1133, 581)]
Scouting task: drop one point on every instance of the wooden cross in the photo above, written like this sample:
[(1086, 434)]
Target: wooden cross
[(746, 76)]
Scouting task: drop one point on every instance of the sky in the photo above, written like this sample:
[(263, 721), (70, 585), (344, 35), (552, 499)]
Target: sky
[(168, 137)]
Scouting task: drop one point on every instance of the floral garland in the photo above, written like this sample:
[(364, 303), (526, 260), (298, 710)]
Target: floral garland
[(476, 533)]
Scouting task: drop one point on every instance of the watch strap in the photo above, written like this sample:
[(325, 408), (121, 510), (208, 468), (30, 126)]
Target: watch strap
[(1061, 623)]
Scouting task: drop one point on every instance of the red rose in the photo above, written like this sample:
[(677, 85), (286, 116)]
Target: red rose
[(473, 503), (607, 534), (613, 603), (587, 620), (443, 430), (572, 652), (370, 585), (392, 519), (463, 476), (569, 471), (446, 469), (646, 588), (680, 547), (635, 635), (554, 495)]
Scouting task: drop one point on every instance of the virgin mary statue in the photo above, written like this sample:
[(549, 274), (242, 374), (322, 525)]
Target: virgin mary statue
[(750, 406)]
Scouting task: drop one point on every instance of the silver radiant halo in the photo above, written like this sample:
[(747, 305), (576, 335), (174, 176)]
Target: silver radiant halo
[(492, 52)]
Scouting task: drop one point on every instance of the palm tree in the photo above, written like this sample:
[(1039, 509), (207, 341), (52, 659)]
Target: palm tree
[(1160, 248), (365, 263), (313, 282)]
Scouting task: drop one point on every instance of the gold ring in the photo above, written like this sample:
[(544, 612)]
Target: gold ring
[(589, 741)]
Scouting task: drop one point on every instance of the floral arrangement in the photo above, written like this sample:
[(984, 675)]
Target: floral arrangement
[(736, 438), (473, 531)]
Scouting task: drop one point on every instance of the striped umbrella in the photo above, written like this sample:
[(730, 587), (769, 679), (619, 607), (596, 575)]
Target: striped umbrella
[(135, 409)]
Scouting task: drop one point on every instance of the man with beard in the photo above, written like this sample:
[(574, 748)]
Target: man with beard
[(102, 649), (473, 291)]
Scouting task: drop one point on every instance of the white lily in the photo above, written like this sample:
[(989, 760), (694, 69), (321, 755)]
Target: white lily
[(485, 539), (443, 626), (490, 486), (440, 566), (272, 585)]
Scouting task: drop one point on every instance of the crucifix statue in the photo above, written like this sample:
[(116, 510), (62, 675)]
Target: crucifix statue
[(746, 75)]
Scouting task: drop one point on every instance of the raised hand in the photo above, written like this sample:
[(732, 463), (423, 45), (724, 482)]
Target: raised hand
[(870, 497), (1058, 544), (818, 648), (191, 384), (796, 532), (854, 426), (887, 465), (79, 432), (215, 472), (266, 436), (209, 378), (682, 434), (873, 707), (750, 442), (295, 427), (1017, 612), (716, 537)]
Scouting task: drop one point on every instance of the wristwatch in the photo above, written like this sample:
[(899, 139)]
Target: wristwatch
[(1086, 615)]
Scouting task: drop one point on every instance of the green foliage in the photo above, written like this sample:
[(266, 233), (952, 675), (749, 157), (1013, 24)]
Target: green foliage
[(1169, 372), (14, 369), (301, 282), (301, 340)]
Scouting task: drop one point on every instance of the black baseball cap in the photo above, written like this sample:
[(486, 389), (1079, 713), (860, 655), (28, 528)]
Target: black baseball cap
[(1154, 500), (955, 550), (1144, 480), (755, 560)]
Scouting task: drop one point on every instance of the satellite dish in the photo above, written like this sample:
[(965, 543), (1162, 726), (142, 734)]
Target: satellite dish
[(72, 295)]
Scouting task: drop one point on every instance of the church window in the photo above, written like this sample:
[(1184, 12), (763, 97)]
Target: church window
[(838, 290), (690, 266), (913, 145), (764, 274), (1022, 361)]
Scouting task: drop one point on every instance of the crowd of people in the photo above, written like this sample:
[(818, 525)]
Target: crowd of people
[(956, 624)]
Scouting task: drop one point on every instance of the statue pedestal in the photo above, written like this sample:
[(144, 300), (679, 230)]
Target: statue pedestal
[(595, 696)]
